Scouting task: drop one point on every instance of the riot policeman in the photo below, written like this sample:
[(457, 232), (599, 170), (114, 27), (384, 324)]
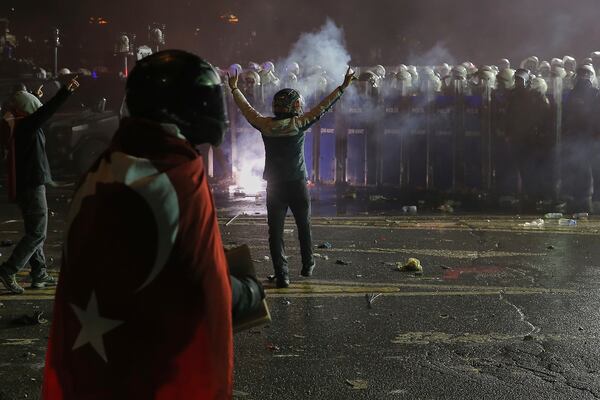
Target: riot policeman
[(528, 134), (580, 137)]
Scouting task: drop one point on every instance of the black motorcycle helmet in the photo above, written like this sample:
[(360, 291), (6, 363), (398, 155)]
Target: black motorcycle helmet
[(288, 103), (174, 86)]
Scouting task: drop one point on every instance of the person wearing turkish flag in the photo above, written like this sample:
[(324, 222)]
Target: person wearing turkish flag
[(144, 302)]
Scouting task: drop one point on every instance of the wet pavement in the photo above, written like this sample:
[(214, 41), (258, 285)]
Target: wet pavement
[(501, 310)]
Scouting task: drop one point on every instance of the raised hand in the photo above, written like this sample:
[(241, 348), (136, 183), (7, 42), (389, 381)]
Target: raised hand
[(349, 77), (232, 80)]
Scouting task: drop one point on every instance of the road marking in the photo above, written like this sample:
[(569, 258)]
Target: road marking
[(425, 338), (445, 253), (585, 228), (18, 342)]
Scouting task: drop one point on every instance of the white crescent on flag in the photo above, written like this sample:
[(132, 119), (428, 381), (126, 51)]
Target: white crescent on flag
[(154, 187)]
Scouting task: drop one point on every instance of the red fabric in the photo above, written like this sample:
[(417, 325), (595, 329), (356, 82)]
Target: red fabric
[(7, 142), (175, 341)]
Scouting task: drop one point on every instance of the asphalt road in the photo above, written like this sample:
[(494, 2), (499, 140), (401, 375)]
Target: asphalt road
[(501, 311)]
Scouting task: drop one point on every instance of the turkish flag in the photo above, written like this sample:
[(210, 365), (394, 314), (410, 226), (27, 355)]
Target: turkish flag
[(143, 304)]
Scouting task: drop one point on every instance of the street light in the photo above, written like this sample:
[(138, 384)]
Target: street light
[(124, 47), (55, 44)]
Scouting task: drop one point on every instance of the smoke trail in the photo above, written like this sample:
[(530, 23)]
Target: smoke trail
[(325, 48)]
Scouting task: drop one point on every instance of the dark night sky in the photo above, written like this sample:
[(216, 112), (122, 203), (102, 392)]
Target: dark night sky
[(482, 31)]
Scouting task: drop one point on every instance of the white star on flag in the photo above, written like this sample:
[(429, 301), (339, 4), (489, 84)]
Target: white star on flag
[(93, 327)]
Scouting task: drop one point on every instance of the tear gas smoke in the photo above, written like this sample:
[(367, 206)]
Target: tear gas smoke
[(324, 48)]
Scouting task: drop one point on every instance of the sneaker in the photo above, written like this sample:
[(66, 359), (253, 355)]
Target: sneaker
[(42, 281), (307, 270), (10, 283), (282, 280)]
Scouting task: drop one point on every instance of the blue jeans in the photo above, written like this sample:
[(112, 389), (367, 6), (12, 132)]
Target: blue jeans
[(30, 248), (295, 196)]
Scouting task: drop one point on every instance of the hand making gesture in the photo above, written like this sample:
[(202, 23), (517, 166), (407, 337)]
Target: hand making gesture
[(232, 81), (348, 78)]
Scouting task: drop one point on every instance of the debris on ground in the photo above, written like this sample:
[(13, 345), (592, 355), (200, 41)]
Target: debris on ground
[(34, 319), (581, 215), (357, 384), (566, 222), (271, 278), (409, 209), (233, 219), (324, 245), (444, 316), (299, 336), (411, 265), (371, 297), (349, 195), (553, 215), (325, 258), (342, 262), (446, 208), (538, 223), (286, 302), (6, 243), (273, 347), (359, 276), (266, 258)]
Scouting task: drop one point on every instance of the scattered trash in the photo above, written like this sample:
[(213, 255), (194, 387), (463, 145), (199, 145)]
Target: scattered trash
[(409, 209), (350, 195), (359, 276), (286, 302), (325, 258), (324, 245), (581, 215), (550, 247), (446, 208), (357, 384), (6, 243), (377, 197), (288, 231), (538, 223), (233, 219), (444, 316), (371, 297), (273, 347), (553, 215), (412, 265), (34, 319), (566, 222), (342, 262), (266, 258)]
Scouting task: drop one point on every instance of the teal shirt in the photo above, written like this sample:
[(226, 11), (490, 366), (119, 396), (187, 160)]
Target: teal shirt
[(284, 138)]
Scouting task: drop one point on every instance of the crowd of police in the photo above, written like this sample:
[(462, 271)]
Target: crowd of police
[(529, 132)]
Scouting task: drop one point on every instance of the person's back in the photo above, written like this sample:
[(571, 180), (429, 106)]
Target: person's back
[(285, 168), (144, 304)]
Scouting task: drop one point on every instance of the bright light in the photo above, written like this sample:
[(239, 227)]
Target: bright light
[(247, 181), (230, 18)]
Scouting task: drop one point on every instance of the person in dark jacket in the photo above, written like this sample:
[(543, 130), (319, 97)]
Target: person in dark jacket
[(27, 116), (285, 168)]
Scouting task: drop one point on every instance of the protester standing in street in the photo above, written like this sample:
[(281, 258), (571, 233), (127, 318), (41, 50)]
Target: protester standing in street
[(285, 168), (23, 122)]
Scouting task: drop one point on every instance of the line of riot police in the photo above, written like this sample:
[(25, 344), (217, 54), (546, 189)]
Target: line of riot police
[(530, 134)]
